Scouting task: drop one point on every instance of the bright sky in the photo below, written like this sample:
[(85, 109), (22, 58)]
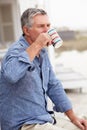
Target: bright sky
[(71, 13), (67, 13)]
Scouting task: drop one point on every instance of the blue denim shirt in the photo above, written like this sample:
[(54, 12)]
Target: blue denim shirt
[(24, 87)]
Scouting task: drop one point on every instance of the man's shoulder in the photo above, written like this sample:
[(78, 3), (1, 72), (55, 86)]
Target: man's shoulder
[(17, 46)]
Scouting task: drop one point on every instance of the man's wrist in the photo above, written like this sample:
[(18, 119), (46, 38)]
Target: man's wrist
[(71, 115), (37, 47), (33, 50)]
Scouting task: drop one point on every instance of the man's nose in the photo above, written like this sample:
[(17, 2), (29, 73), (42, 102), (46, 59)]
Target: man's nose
[(45, 29)]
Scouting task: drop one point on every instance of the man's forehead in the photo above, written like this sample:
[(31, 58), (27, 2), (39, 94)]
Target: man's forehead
[(41, 19)]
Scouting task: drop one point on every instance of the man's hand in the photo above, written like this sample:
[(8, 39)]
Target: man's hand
[(81, 123), (43, 40)]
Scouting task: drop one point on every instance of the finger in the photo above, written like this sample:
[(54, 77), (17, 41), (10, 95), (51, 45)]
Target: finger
[(81, 126), (84, 123)]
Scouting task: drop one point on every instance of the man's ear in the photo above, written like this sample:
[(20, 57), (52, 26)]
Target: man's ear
[(26, 30)]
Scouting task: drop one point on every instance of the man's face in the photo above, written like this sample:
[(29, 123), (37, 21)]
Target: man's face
[(41, 24)]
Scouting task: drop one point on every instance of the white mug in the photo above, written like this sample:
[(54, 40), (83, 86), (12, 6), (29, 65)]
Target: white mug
[(56, 39)]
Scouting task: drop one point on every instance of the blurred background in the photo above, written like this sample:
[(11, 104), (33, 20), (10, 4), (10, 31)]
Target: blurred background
[(70, 60), (70, 20)]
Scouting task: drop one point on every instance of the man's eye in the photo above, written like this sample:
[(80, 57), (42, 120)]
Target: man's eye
[(48, 25), (42, 26)]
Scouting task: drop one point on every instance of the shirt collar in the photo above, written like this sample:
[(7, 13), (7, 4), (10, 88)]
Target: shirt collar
[(23, 41)]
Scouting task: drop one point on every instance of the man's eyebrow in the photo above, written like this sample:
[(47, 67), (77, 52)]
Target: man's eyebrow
[(44, 24)]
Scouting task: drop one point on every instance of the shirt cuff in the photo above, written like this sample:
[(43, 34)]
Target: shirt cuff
[(63, 107)]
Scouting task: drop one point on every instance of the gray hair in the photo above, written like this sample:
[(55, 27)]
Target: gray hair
[(27, 16)]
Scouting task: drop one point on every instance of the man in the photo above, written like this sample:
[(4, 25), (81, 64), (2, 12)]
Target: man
[(27, 78)]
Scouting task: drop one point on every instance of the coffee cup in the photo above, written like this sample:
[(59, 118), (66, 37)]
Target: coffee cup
[(56, 39)]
